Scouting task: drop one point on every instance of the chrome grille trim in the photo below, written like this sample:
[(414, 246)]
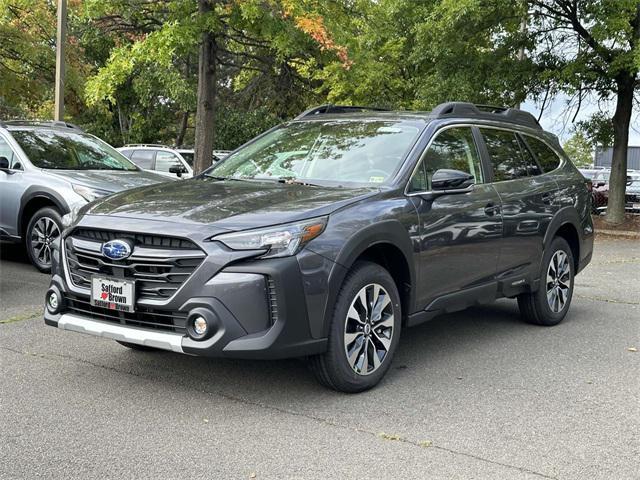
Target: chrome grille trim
[(273, 300), (158, 272)]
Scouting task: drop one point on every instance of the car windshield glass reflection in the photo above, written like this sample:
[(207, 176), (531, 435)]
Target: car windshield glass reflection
[(69, 151), (359, 152)]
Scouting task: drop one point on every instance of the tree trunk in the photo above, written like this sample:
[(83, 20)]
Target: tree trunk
[(621, 123), (182, 129), (206, 95)]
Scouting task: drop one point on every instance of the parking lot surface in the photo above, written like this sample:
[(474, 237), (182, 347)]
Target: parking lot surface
[(476, 394)]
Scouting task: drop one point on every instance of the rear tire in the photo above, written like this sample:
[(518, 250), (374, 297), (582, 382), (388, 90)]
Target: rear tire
[(364, 332), (549, 305), (44, 227), (135, 346)]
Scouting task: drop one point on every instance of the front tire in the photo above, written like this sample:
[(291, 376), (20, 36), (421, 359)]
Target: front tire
[(550, 304), (42, 230), (364, 331)]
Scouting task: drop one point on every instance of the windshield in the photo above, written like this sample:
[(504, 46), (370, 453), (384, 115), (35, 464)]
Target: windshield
[(69, 151), (367, 152)]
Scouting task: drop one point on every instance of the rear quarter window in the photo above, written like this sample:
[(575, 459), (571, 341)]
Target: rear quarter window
[(547, 157)]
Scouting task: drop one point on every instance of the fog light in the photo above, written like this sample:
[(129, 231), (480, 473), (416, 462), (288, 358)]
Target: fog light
[(53, 302), (200, 325)]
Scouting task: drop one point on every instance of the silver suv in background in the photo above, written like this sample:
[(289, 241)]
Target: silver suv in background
[(48, 169)]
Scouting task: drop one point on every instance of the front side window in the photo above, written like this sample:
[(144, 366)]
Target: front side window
[(166, 160), (69, 150), (506, 157), (362, 152), (547, 158), (452, 149)]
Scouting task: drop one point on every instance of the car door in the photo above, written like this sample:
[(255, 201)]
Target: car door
[(459, 233), (529, 202), (12, 187), (165, 161)]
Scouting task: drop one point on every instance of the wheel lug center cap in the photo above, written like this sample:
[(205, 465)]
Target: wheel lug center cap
[(367, 329)]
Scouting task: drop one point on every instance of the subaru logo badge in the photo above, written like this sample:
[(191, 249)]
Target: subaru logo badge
[(116, 249)]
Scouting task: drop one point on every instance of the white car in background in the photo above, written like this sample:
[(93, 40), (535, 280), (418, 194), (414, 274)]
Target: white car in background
[(164, 160), (158, 159)]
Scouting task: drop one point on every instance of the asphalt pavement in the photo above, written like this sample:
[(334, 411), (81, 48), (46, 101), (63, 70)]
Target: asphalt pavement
[(474, 395)]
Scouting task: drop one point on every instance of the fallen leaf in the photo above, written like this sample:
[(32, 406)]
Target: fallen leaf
[(632, 349), (388, 436), (206, 420), (426, 443), (252, 475)]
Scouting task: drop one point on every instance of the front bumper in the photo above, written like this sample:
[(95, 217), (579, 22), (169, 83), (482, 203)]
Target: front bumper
[(257, 309)]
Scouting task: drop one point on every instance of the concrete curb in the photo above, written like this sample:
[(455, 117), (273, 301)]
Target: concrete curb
[(620, 233)]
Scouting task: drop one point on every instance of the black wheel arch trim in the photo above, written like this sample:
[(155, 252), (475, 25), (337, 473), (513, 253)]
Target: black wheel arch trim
[(567, 215), (35, 192), (390, 232)]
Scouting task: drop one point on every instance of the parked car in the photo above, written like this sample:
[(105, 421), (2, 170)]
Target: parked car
[(158, 159), (46, 170), (189, 155), (632, 196), (386, 220)]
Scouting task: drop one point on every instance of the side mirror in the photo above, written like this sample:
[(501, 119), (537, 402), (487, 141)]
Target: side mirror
[(451, 181), (4, 163), (178, 170)]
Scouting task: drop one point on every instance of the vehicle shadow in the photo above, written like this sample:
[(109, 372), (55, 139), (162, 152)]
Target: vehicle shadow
[(13, 252), (428, 350)]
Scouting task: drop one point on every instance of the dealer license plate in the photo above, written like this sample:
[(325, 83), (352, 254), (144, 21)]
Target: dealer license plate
[(113, 293)]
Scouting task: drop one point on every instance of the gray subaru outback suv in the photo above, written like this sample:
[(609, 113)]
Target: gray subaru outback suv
[(46, 170), (327, 236)]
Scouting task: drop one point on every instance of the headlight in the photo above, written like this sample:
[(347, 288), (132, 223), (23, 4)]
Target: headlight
[(280, 241), (89, 194)]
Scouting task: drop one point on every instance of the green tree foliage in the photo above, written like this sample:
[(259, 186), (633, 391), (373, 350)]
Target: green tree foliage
[(579, 150)]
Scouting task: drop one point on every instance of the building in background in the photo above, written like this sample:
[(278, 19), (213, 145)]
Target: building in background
[(604, 155)]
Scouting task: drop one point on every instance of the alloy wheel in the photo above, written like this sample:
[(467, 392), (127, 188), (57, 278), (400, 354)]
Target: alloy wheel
[(369, 329), (558, 281), (43, 234)]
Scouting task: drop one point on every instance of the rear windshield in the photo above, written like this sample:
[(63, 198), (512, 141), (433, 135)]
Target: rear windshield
[(363, 152), (69, 151)]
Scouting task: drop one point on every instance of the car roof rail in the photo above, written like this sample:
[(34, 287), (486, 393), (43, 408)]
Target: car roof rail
[(330, 108), (486, 112), (153, 145), (42, 123)]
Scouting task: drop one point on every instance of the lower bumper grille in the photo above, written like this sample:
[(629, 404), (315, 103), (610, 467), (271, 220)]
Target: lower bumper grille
[(142, 317)]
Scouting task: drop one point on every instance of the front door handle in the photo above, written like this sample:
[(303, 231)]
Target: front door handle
[(491, 209)]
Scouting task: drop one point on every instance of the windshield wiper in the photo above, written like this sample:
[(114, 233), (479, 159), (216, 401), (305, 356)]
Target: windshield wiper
[(295, 181)]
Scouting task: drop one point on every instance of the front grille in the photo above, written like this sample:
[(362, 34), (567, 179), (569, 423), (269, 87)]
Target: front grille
[(142, 317), (141, 239), (159, 265)]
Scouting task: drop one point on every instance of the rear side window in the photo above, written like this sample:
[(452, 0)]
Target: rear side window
[(143, 158), (454, 149), (506, 156), (547, 158), (533, 168)]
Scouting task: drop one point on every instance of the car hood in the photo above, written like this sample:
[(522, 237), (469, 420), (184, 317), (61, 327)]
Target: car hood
[(231, 205), (110, 180)]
